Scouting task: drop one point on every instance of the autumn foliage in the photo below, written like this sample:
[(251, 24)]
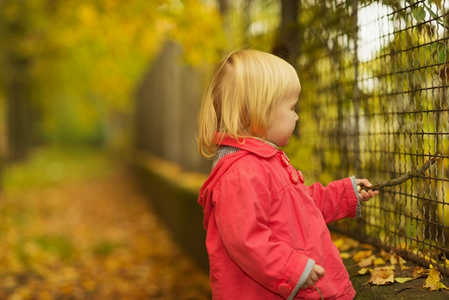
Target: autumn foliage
[(384, 268), (75, 226)]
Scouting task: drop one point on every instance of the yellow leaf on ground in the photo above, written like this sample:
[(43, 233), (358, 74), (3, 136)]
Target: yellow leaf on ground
[(367, 261), (362, 255), (339, 243), (433, 280), (430, 259), (379, 261), (403, 279), (386, 255), (393, 260), (401, 260), (345, 255), (363, 271), (367, 246), (398, 260), (381, 276), (419, 271), (345, 243)]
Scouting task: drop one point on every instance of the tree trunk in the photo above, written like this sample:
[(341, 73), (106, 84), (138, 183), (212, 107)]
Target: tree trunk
[(223, 6), (287, 43), (18, 110), (15, 65)]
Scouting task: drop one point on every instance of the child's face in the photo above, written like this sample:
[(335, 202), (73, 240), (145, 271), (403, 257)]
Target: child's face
[(285, 118)]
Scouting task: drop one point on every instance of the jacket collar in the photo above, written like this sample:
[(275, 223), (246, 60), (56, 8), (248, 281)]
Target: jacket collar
[(253, 145)]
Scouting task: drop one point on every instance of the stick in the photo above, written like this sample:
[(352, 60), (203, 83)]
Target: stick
[(319, 292), (398, 180)]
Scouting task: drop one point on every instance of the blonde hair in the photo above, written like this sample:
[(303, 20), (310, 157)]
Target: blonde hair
[(242, 96)]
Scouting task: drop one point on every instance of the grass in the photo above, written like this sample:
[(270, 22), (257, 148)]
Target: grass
[(51, 165)]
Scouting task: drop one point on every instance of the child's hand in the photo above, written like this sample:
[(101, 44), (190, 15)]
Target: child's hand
[(366, 195), (317, 273)]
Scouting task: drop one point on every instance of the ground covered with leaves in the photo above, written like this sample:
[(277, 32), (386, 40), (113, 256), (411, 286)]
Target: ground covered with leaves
[(377, 274), (73, 225)]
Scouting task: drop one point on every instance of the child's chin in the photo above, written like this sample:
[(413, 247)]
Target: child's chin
[(283, 144)]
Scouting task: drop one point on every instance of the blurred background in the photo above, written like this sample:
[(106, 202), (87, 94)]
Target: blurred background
[(70, 70), (99, 168), (73, 225)]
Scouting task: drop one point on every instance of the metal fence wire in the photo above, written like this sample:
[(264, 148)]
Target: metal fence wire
[(374, 103)]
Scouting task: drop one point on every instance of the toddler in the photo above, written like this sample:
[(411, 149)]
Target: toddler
[(266, 231)]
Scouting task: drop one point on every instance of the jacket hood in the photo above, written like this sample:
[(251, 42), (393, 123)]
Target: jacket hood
[(247, 146)]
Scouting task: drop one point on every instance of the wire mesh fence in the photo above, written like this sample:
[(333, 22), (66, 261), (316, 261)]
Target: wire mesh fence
[(374, 102)]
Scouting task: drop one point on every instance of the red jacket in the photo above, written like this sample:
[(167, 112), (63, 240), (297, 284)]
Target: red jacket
[(264, 225)]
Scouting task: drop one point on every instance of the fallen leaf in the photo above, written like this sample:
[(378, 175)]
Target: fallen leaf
[(430, 259), (393, 260), (398, 260), (345, 243), (345, 255), (338, 243), (362, 271), (386, 255), (404, 279), (367, 246), (362, 255), (381, 276), (367, 261), (419, 271), (379, 261), (404, 267), (433, 282)]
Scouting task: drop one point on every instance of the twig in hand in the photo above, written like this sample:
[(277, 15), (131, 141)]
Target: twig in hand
[(398, 180), (319, 292)]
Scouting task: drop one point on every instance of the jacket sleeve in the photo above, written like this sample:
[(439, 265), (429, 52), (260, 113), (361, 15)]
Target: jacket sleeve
[(241, 210), (336, 201)]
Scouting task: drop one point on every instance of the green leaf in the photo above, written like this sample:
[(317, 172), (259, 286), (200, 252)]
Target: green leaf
[(434, 15), (443, 56), (419, 14)]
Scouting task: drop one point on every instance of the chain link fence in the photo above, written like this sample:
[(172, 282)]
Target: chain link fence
[(374, 103)]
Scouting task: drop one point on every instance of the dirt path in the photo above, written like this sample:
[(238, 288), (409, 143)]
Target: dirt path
[(90, 239)]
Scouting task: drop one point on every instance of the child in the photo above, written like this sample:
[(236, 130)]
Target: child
[(266, 231)]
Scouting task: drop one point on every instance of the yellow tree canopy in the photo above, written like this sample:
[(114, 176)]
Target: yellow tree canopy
[(84, 57)]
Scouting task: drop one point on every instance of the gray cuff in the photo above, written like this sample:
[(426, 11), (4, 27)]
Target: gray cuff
[(358, 212), (305, 274)]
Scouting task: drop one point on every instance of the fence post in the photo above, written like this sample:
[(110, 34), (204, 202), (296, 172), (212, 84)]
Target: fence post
[(356, 90)]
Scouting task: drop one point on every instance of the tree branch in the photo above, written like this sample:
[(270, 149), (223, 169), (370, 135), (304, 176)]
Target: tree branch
[(398, 180)]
